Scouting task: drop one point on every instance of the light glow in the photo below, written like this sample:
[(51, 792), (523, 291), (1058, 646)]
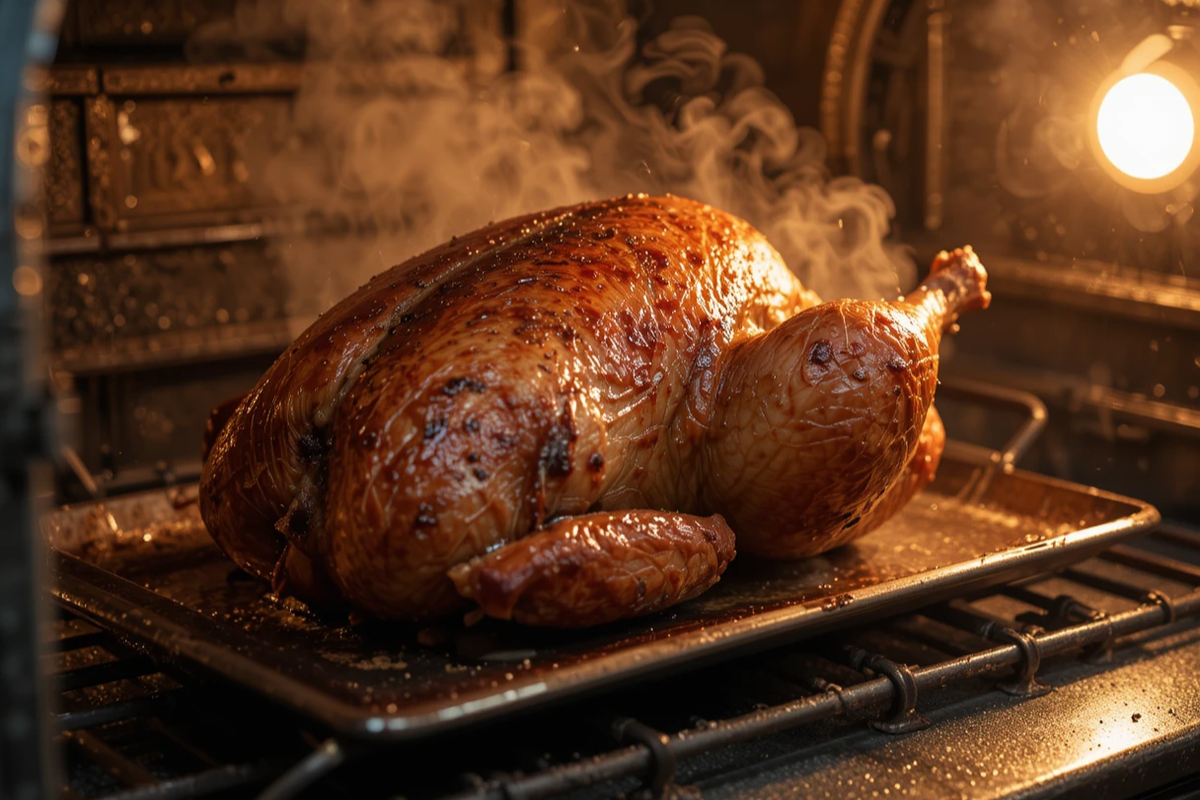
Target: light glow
[(1145, 126)]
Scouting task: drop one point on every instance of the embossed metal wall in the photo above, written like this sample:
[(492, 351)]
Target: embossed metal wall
[(165, 287)]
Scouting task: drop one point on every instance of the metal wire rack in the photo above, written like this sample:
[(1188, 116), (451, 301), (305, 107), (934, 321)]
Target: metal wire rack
[(134, 727)]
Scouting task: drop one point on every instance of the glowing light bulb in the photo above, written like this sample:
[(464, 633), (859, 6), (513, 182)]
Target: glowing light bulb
[(1145, 126)]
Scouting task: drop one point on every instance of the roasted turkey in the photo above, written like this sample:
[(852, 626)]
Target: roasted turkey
[(565, 418)]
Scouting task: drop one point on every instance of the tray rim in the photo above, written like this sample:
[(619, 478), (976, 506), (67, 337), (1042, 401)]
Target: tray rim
[(118, 603)]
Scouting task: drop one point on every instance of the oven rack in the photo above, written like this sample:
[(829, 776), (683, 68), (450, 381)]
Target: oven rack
[(130, 724)]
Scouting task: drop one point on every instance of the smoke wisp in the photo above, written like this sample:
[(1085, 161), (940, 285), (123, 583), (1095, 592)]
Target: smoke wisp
[(401, 142)]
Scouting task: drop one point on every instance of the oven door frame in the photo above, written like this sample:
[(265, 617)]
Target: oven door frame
[(28, 415)]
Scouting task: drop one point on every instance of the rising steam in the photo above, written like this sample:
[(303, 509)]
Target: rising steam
[(403, 144)]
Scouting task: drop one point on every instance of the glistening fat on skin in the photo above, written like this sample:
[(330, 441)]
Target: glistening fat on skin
[(571, 417)]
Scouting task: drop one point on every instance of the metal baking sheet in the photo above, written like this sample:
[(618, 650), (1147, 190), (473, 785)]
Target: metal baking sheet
[(144, 565)]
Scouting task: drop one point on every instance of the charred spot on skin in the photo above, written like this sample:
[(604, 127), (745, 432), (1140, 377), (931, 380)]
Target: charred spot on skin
[(472, 426), (596, 462), (457, 385), (481, 473), (896, 364), (652, 260), (859, 374), (473, 457), (555, 458), (435, 428), (821, 353), (641, 588)]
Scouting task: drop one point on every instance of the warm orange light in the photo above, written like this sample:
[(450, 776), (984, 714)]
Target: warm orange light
[(1145, 125)]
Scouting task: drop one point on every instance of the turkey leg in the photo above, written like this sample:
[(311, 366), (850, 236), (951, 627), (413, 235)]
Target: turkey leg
[(597, 568), (817, 418)]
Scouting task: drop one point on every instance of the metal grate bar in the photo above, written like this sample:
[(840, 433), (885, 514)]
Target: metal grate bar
[(813, 672), (1028, 597), (79, 641), (912, 628), (1105, 584), (206, 783), (1061, 610), (128, 772), (96, 674), (961, 615), (152, 705), (320, 762), (1153, 564), (1177, 535), (876, 693)]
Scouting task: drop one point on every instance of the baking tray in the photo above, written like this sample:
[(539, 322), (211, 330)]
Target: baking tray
[(144, 565)]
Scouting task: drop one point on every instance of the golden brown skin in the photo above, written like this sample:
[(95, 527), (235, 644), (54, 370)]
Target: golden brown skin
[(578, 569), (817, 418), (638, 353), (918, 473)]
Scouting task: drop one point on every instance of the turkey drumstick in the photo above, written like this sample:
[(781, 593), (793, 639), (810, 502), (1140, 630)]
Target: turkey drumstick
[(815, 419), (566, 417)]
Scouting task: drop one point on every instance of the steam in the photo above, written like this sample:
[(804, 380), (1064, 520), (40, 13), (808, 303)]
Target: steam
[(398, 144)]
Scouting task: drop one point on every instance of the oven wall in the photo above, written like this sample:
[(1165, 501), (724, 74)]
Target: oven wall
[(167, 289), (1097, 303)]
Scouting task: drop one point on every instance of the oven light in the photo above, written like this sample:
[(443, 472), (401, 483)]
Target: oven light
[(1145, 126), (1144, 117)]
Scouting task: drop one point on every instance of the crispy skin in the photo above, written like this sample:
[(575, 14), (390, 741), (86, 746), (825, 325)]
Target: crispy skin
[(918, 473), (217, 420), (263, 473), (638, 353), (816, 419), (598, 568), (538, 367)]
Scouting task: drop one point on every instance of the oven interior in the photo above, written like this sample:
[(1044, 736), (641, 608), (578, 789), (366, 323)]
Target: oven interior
[(214, 174)]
